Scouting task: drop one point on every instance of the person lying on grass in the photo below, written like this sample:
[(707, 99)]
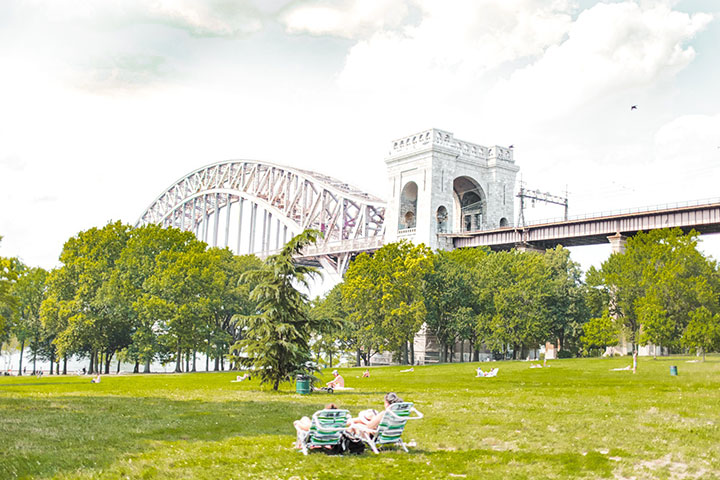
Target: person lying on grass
[(368, 420)]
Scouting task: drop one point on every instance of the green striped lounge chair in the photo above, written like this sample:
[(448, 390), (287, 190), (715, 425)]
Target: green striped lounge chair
[(392, 425), (325, 430)]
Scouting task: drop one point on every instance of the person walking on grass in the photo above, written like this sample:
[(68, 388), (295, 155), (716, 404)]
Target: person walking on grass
[(635, 355)]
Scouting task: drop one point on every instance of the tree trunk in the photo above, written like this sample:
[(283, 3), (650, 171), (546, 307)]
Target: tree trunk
[(194, 360), (92, 363), (404, 354), (22, 347), (462, 351), (108, 359), (118, 367), (357, 357), (222, 363), (207, 358), (330, 359), (64, 364), (178, 359), (52, 361), (147, 366), (276, 384), (412, 351)]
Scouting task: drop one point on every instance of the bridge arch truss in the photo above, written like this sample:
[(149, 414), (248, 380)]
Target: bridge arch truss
[(255, 207)]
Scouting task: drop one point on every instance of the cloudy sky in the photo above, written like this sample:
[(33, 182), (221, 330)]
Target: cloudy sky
[(104, 104)]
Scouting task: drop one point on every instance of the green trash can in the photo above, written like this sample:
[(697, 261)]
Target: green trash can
[(673, 370), (302, 384)]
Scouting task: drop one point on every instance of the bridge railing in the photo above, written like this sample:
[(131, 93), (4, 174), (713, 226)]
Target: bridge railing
[(610, 213)]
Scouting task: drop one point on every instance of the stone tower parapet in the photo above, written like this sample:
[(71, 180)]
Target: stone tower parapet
[(439, 184)]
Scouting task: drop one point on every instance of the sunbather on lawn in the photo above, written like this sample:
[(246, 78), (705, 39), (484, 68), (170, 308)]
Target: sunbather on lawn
[(303, 425), (369, 421), (337, 382)]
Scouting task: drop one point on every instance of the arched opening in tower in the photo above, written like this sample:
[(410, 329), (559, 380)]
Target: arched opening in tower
[(470, 202), (408, 206), (442, 217)]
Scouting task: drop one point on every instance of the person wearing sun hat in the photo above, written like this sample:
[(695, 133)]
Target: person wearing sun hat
[(337, 382)]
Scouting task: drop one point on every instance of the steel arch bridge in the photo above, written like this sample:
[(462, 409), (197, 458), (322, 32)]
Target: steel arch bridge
[(255, 207)]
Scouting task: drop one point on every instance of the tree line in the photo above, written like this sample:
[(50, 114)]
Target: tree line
[(661, 290), (158, 294), (133, 294)]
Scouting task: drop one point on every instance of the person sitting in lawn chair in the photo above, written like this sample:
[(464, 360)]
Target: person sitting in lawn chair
[(324, 429), (387, 426)]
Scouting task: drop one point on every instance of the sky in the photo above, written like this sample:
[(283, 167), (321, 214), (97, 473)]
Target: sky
[(105, 104)]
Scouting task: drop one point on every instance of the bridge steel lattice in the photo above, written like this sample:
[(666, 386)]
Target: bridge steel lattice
[(255, 207)]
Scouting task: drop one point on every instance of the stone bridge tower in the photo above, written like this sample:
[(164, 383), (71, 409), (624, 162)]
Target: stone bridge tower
[(442, 185)]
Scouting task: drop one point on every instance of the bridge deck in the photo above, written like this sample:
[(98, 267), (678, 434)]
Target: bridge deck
[(704, 218)]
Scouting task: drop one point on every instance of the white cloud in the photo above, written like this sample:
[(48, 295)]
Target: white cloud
[(454, 46), (610, 48), (198, 17), (346, 19)]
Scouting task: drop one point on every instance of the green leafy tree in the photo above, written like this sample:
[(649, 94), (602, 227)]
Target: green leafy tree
[(276, 340), (179, 298), (514, 295), (600, 332), (230, 300), (703, 331), (450, 299), (90, 325), (28, 291), (361, 298), (125, 290), (658, 281), (567, 299), (384, 294), (8, 274), (328, 312)]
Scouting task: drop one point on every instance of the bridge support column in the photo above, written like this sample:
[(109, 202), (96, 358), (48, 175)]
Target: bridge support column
[(227, 220), (217, 220), (526, 247), (253, 220), (617, 243), (241, 204), (277, 234)]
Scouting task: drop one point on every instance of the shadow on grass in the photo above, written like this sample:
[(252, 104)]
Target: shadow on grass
[(35, 384), (47, 436)]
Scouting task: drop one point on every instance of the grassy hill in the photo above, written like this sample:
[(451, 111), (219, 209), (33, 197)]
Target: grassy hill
[(575, 419)]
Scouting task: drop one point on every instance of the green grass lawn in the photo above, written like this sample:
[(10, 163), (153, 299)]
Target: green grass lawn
[(576, 419)]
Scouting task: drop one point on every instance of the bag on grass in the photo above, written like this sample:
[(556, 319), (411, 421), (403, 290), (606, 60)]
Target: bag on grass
[(352, 444)]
